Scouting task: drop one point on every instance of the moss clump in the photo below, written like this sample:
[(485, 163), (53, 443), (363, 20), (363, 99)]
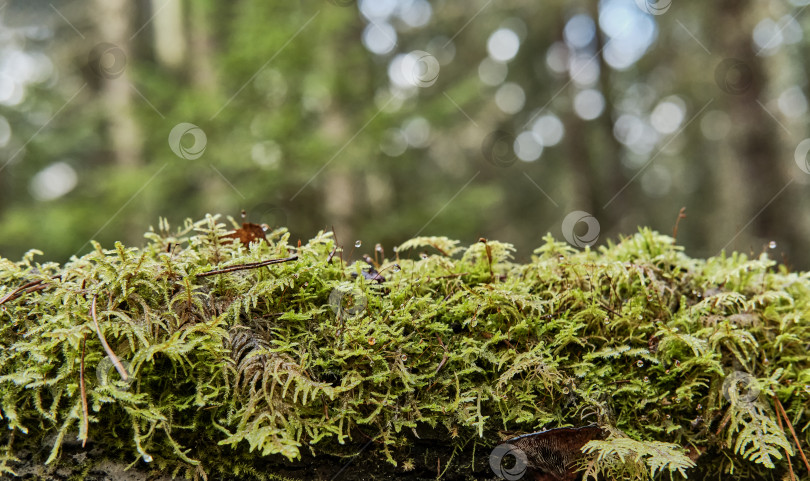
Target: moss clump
[(422, 363)]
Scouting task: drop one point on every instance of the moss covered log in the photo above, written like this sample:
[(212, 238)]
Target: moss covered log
[(188, 357)]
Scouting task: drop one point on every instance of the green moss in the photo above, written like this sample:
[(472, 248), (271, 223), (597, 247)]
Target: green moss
[(311, 359)]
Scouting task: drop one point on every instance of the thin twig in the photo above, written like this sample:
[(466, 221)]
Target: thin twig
[(681, 215), (444, 357), (118, 366), (787, 455), (724, 422), (252, 265), (325, 411), (450, 276), (85, 422), (30, 287), (441, 251), (16, 292), (40, 287), (790, 426)]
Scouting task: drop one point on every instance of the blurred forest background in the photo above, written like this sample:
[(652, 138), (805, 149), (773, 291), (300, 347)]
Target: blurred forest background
[(390, 118)]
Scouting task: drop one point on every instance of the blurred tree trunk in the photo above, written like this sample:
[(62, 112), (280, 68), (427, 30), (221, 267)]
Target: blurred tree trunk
[(201, 77), (167, 26), (755, 134), (608, 159), (201, 46), (339, 206), (584, 181), (112, 20)]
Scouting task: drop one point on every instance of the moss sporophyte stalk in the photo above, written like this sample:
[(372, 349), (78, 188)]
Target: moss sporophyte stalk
[(201, 356)]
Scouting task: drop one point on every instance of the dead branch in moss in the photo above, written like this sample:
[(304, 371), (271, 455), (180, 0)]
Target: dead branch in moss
[(110, 354), (242, 267)]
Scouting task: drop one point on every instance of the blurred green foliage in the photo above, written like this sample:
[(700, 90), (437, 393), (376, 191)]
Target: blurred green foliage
[(298, 114)]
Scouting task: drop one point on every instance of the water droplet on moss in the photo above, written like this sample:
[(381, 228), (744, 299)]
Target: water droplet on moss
[(423, 255), (147, 458), (677, 363), (772, 244), (646, 379), (396, 268), (668, 416), (766, 361), (371, 341), (640, 317), (700, 406), (395, 249), (404, 357), (607, 320), (640, 363), (358, 243), (666, 372), (565, 390)]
